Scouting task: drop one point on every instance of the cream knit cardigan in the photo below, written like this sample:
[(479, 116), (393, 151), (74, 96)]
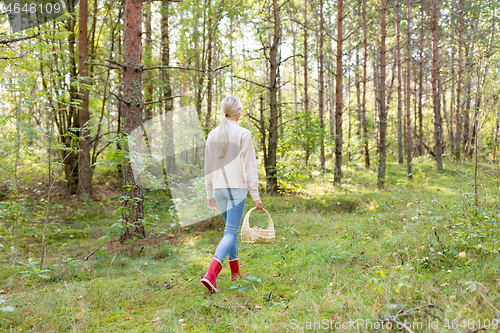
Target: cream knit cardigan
[(238, 169)]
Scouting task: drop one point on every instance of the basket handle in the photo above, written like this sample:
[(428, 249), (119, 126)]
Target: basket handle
[(270, 226)]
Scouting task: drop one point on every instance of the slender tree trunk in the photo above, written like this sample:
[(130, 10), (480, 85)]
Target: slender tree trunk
[(270, 165), (132, 117), (337, 175), (420, 144), (295, 103), (469, 135), (210, 79), (382, 108), (376, 99), (119, 127), (84, 169), (306, 95), (168, 105), (148, 57), (458, 116), (321, 86), (409, 143), (400, 86), (363, 103), (438, 130), (69, 121), (497, 132), (331, 122)]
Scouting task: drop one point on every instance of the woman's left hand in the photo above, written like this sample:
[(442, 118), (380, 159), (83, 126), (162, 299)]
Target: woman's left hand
[(212, 204)]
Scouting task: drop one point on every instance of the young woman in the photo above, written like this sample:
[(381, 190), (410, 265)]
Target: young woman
[(230, 170)]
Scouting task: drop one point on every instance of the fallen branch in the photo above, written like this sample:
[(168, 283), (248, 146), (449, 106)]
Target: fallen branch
[(406, 313), (90, 255), (399, 324)]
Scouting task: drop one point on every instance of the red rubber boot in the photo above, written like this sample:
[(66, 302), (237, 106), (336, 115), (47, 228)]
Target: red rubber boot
[(209, 279), (235, 270)]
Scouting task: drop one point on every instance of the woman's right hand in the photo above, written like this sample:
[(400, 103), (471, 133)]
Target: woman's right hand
[(259, 205)]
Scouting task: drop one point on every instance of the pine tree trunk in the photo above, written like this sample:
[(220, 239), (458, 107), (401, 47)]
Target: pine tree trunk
[(148, 58), (132, 117), (321, 87), (458, 115), (295, 103), (84, 169), (409, 143), (382, 109), (168, 105), (363, 103), (337, 174), (306, 95), (438, 130), (497, 132), (270, 163), (210, 79), (420, 144), (400, 85)]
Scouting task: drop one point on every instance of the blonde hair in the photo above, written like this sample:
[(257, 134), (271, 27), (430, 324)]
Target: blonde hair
[(230, 106)]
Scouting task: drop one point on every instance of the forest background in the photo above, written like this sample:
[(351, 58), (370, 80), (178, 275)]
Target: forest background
[(353, 106)]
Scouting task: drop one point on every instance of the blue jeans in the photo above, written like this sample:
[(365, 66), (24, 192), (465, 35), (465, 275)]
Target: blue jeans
[(231, 203)]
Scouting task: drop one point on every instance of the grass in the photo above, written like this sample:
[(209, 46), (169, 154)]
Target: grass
[(341, 253)]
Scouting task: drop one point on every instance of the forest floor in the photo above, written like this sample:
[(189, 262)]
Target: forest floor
[(347, 258)]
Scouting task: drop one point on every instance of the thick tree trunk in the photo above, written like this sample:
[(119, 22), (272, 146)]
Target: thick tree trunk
[(84, 169), (363, 103), (420, 142), (337, 174), (270, 163), (438, 130), (321, 87), (409, 143), (458, 115), (132, 118), (400, 86), (382, 109), (168, 105)]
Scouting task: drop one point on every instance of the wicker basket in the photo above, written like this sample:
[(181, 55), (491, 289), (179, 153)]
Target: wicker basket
[(249, 235)]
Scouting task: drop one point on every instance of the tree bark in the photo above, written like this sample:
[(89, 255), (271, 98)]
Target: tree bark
[(321, 87), (409, 143), (306, 95), (168, 105), (420, 144), (337, 175), (400, 85), (363, 103), (84, 169), (438, 130), (458, 116), (148, 58), (497, 132), (382, 109), (270, 163), (132, 118)]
